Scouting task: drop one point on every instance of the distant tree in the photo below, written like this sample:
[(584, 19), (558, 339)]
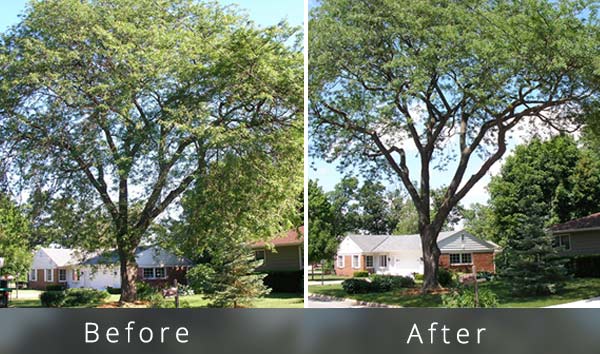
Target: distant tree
[(478, 220), (450, 80), (14, 232), (324, 237), (138, 101)]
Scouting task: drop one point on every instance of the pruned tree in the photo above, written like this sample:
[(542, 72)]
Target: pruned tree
[(448, 80), (123, 104)]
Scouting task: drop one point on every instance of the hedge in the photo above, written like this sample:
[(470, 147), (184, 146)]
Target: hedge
[(585, 266), (285, 281), (53, 298)]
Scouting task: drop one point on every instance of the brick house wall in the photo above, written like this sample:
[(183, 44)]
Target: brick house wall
[(41, 284), (179, 273), (483, 261), (348, 271)]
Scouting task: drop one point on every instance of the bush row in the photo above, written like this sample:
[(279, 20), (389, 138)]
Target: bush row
[(72, 297), (376, 284)]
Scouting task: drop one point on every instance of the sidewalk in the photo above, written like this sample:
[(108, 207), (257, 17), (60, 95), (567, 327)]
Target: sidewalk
[(589, 303)]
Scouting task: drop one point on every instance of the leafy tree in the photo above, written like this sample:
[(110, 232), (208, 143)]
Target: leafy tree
[(324, 238), (408, 217), (479, 221), (448, 79), (14, 229), (123, 104)]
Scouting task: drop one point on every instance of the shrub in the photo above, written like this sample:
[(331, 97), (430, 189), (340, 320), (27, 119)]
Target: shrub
[(285, 281), (356, 286), (360, 274), (52, 298), (382, 283), (144, 291), (83, 297), (485, 275), (465, 297), (113, 291), (445, 277), (418, 276), (55, 287)]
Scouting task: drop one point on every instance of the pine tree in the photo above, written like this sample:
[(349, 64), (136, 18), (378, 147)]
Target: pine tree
[(229, 278), (531, 264)]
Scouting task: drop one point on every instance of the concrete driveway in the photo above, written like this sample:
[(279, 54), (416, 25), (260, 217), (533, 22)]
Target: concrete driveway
[(581, 304)]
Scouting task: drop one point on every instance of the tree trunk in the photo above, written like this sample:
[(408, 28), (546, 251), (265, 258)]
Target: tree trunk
[(128, 276), (431, 258)]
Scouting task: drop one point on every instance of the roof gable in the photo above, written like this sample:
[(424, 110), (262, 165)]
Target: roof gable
[(463, 240)]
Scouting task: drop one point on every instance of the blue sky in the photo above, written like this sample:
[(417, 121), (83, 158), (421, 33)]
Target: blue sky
[(263, 12)]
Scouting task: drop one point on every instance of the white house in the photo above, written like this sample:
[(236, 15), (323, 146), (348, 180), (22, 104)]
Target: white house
[(76, 269), (402, 254)]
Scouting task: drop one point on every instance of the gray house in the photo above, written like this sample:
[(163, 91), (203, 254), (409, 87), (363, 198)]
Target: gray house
[(578, 237)]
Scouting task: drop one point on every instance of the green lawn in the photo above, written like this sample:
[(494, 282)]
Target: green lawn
[(29, 298), (576, 289)]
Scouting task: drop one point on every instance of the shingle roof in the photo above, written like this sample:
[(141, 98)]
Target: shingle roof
[(291, 238), (144, 256), (391, 243), (586, 222), (62, 256)]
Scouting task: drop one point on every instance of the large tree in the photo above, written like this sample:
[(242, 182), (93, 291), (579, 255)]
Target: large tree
[(447, 80), (122, 104), (14, 230), (324, 237)]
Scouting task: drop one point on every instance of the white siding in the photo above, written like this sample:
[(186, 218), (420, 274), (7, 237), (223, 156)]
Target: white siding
[(41, 260), (347, 247), (99, 277)]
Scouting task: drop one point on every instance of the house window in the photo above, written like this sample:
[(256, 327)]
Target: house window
[(355, 262), (48, 276), (466, 258), (159, 272), (454, 258), (369, 261), (565, 241), (76, 274), (340, 261), (33, 275), (259, 255), (62, 275), (154, 273), (383, 261)]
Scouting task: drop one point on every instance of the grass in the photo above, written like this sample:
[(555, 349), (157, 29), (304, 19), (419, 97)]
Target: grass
[(576, 289), (30, 298)]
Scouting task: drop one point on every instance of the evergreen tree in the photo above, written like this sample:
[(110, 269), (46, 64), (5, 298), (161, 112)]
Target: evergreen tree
[(229, 279), (531, 262)]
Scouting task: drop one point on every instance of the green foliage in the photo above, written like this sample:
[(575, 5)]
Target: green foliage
[(465, 298), (446, 277), (228, 279), (145, 291), (53, 298), (55, 287), (84, 297), (360, 274), (324, 238), (418, 276), (382, 283), (14, 233), (356, 286)]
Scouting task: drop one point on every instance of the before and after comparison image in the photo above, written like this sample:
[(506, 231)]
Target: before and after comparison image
[(186, 154)]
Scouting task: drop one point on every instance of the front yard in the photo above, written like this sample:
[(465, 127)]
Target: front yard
[(576, 289), (30, 298)]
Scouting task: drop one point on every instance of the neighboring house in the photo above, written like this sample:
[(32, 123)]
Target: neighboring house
[(76, 269), (402, 254), (579, 237), (283, 253)]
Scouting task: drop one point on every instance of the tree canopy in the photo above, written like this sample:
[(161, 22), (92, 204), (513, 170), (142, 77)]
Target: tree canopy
[(14, 231), (122, 105), (449, 81)]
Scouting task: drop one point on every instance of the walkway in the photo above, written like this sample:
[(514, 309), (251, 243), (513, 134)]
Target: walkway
[(589, 303)]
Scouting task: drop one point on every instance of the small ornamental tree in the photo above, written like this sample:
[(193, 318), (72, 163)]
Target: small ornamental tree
[(447, 82)]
